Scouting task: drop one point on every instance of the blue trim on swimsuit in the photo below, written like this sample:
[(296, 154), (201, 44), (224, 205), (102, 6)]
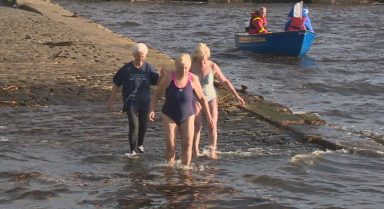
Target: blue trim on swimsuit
[(179, 101)]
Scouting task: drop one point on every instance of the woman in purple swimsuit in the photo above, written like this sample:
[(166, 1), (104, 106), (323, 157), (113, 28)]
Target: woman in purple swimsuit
[(178, 110)]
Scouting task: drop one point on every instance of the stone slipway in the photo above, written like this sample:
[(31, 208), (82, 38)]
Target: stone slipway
[(307, 126), (310, 127)]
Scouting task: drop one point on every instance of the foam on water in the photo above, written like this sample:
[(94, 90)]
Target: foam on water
[(308, 158), (3, 139)]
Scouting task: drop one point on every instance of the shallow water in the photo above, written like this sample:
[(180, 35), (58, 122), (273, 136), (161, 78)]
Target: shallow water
[(66, 157)]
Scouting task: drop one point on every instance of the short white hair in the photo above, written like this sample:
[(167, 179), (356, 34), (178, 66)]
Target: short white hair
[(139, 48), (183, 59), (201, 50)]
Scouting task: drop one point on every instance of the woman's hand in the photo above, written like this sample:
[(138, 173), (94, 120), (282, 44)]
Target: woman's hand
[(240, 100), (211, 122), (151, 116)]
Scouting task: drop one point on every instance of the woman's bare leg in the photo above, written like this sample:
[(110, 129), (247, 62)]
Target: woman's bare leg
[(186, 135), (196, 135), (212, 132), (170, 131)]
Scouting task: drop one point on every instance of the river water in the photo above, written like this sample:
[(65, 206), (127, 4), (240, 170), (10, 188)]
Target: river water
[(259, 167)]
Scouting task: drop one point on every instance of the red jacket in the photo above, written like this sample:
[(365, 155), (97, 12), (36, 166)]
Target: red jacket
[(296, 23), (257, 25)]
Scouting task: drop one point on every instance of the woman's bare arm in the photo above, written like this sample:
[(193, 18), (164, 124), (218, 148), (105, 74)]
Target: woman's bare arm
[(159, 91), (226, 83)]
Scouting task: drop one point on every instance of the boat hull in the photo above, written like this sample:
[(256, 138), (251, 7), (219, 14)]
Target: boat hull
[(292, 43)]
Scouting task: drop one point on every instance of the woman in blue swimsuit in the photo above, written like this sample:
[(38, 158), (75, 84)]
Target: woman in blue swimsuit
[(207, 71), (181, 87)]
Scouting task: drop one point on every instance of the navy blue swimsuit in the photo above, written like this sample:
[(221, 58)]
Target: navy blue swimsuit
[(179, 101)]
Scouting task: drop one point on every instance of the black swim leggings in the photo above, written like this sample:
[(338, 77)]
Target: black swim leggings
[(137, 120)]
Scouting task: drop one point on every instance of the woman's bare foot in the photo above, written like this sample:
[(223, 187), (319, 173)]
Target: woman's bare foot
[(196, 154), (213, 154), (171, 163)]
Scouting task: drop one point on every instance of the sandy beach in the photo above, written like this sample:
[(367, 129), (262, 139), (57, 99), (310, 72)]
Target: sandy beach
[(55, 58)]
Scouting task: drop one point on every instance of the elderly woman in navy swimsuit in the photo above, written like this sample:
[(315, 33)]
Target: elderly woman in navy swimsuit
[(207, 70), (181, 87)]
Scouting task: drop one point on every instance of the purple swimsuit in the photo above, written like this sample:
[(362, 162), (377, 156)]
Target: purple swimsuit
[(179, 101)]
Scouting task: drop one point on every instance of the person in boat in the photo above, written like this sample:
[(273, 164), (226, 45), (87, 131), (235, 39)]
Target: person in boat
[(135, 79), (207, 71), (181, 88), (297, 24), (258, 22), (263, 14)]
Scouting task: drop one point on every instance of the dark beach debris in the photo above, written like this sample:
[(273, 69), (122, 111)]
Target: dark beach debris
[(244, 89), (28, 8), (58, 43)]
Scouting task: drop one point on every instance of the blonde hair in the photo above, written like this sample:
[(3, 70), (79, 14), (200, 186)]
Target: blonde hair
[(183, 59), (139, 48), (201, 50)]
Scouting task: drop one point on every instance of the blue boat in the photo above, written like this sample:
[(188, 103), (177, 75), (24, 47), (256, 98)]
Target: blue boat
[(291, 43)]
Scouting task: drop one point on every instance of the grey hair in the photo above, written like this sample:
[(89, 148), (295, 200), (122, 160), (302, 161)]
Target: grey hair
[(139, 48)]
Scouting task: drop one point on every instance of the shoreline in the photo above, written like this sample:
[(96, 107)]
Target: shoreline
[(86, 71)]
